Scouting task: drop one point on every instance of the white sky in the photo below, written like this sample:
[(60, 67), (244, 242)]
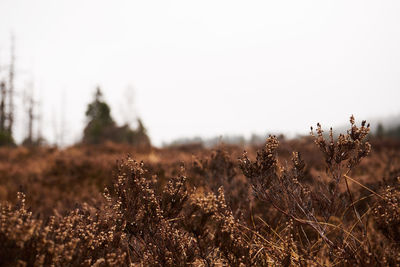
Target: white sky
[(208, 67)]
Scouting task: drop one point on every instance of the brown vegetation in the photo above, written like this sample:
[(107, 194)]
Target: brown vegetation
[(315, 201)]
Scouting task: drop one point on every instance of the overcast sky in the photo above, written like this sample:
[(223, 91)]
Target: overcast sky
[(207, 67)]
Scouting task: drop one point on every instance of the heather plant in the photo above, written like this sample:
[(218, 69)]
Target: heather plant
[(218, 234), (327, 204), (322, 207), (217, 170), (153, 238), (83, 237), (387, 219)]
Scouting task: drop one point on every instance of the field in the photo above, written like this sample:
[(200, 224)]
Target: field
[(313, 201)]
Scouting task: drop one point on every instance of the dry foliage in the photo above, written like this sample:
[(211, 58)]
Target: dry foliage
[(329, 203)]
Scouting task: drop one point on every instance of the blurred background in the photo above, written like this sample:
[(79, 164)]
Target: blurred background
[(199, 68)]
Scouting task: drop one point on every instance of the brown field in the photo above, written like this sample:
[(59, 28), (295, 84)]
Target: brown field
[(334, 203)]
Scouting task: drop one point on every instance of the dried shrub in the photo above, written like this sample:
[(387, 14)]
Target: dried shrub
[(325, 205), (80, 238)]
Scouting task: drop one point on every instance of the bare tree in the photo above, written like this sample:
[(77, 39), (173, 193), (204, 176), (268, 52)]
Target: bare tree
[(3, 95), (63, 128), (31, 104), (59, 121), (11, 76), (55, 127), (39, 126), (127, 107)]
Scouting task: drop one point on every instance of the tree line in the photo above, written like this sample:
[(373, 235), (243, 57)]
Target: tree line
[(100, 126)]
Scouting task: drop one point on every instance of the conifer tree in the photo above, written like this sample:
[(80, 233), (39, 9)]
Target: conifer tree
[(99, 118)]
